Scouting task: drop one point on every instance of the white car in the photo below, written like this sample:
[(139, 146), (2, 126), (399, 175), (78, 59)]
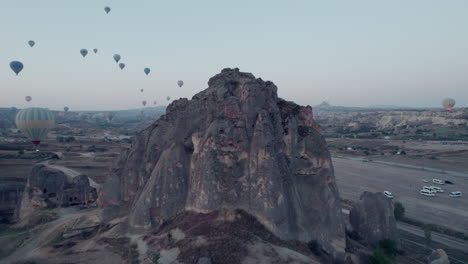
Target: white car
[(436, 189), (441, 182), (425, 180), (455, 194), (428, 188), (388, 194), (427, 192)]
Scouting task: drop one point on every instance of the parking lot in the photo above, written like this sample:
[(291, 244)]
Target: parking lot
[(354, 177)]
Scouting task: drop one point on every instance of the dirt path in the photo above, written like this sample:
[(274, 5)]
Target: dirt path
[(44, 234)]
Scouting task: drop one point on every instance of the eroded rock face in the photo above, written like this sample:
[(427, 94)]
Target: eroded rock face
[(438, 256), (49, 186), (372, 218), (234, 145)]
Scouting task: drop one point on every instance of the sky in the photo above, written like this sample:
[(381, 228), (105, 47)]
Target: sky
[(350, 53)]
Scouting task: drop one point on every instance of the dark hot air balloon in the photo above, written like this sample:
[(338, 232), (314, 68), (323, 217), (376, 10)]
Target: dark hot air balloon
[(31, 43), (16, 66), (147, 71), (117, 58), (121, 66), (84, 52), (107, 9), (95, 51), (28, 98), (180, 83)]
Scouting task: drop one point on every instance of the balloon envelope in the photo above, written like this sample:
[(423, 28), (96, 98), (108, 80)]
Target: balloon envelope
[(28, 98), (16, 66), (143, 103), (35, 123), (95, 51), (84, 52), (31, 43), (117, 58), (66, 108), (155, 102), (147, 71), (141, 90), (448, 103), (122, 66), (180, 83), (168, 98), (107, 9)]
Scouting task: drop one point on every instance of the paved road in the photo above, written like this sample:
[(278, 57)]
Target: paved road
[(448, 241), (354, 177)]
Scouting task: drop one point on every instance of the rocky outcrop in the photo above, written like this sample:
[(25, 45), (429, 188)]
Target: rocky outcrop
[(48, 186), (373, 220), (234, 145), (438, 256), (393, 119)]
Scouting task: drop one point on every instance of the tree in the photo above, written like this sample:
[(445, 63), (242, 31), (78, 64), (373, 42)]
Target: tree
[(389, 247), (379, 258), (399, 211)]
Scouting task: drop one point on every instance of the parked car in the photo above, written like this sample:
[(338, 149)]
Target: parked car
[(428, 188), (441, 182), (455, 194), (448, 182), (424, 180), (388, 194), (436, 189), (427, 192)]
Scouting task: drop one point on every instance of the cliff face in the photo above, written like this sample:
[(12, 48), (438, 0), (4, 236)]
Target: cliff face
[(234, 145)]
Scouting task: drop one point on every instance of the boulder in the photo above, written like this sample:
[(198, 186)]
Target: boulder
[(373, 220), (438, 256)]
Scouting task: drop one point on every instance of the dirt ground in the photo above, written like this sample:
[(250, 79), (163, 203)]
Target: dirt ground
[(354, 177)]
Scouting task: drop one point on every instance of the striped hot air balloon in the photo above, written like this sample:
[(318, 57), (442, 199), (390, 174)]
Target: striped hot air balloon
[(35, 123)]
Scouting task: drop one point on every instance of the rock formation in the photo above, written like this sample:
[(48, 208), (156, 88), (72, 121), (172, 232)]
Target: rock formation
[(234, 145), (438, 256), (48, 186), (372, 218)]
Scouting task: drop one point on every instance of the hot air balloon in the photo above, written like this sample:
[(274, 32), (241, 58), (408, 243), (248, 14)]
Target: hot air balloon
[(168, 98), (107, 9), (31, 43), (117, 58), (141, 90), (35, 123), (147, 71), (16, 66), (28, 98), (95, 51), (155, 102), (448, 104), (84, 52), (66, 108), (143, 103), (110, 116), (122, 66), (180, 83)]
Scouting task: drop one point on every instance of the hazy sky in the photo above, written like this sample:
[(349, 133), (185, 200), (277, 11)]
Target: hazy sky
[(353, 53)]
